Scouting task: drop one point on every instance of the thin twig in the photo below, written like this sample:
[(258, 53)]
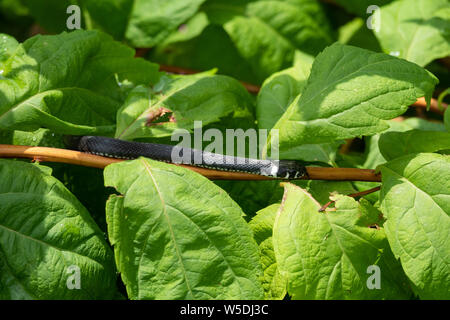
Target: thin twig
[(44, 154), (353, 195)]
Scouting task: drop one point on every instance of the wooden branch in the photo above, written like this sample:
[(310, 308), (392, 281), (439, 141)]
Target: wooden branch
[(421, 103), (44, 154), (342, 174)]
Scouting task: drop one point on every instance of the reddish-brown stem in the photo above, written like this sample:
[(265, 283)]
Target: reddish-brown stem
[(421, 103), (353, 195), (45, 154)]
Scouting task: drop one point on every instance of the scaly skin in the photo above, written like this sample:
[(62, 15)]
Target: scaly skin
[(115, 148)]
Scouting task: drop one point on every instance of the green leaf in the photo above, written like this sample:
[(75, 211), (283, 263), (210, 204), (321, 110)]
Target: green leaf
[(151, 21), (113, 17), (8, 45), (178, 236), (273, 282), (279, 91), (416, 30), (143, 23), (323, 190), (415, 197), (327, 255), (201, 97), (373, 155), (213, 48), (67, 83), (92, 195), (221, 11), (421, 124), (261, 46), (323, 152), (271, 31), (191, 29), (396, 144), (276, 94), (44, 233), (351, 92), (40, 137)]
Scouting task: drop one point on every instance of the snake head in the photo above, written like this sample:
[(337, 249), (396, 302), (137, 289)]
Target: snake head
[(291, 169), (72, 142)]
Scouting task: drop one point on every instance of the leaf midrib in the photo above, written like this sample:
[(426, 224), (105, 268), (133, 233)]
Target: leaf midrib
[(37, 94), (149, 172)]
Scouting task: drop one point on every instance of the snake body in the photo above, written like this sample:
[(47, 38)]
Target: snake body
[(116, 148)]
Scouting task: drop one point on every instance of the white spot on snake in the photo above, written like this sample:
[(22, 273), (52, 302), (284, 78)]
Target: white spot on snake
[(274, 170)]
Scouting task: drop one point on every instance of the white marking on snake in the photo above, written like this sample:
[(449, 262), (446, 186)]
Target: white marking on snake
[(274, 169)]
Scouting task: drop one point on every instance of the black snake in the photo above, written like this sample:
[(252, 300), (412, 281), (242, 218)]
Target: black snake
[(115, 148)]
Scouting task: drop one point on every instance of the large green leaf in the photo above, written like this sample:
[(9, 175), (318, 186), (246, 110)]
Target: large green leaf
[(279, 91), (143, 23), (213, 48), (373, 154), (201, 97), (151, 21), (270, 32), (69, 83), (415, 197), (273, 282), (397, 144), (260, 45), (275, 96), (322, 191), (416, 30), (178, 236), (351, 92), (328, 255), (8, 45), (40, 137), (45, 235), (189, 30), (321, 152)]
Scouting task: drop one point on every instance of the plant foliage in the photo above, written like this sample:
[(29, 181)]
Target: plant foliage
[(339, 94)]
